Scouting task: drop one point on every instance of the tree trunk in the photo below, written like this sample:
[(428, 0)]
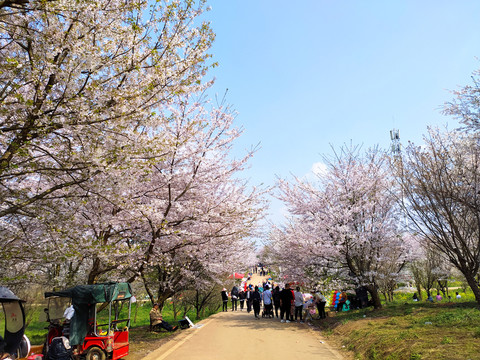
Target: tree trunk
[(147, 288), (474, 286), (197, 303), (162, 297), (92, 275), (390, 295), (136, 311), (372, 289), (419, 291), (174, 307)]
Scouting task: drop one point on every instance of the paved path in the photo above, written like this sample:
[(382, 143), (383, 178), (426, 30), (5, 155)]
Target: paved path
[(238, 335)]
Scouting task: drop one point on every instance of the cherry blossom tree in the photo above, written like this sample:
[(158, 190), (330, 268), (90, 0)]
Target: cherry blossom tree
[(197, 213), (428, 268), (107, 164), (345, 227), (80, 82), (465, 106), (171, 211), (441, 185), (76, 75)]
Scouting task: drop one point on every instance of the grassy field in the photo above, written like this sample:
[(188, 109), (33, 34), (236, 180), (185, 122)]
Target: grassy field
[(408, 330)]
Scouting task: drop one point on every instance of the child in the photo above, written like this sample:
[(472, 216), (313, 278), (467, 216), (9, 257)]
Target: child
[(309, 309)]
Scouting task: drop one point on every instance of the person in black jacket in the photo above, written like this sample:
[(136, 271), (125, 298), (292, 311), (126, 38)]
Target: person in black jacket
[(256, 300), (286, 299), (248, 297), (276, 299), (234, 295), (224, 299), (241, 298)]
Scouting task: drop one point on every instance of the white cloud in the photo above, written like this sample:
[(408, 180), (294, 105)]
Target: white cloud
[(319, 168)]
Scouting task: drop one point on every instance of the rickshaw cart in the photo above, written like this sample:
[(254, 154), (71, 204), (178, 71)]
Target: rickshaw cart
[(13, 344), (92, 333)]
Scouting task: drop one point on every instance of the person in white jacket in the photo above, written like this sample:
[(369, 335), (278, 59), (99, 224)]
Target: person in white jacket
[(267, 301), (298, 304)]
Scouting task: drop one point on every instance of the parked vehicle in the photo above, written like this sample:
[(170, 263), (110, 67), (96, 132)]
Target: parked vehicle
[(13, 342), (94, 318)]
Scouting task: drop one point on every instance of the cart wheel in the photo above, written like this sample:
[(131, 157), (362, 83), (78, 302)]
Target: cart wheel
[(95, 353)]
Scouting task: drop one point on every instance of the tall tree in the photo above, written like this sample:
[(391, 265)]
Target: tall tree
[(428, 268), (441, 184), (172, 210), (197, 215), (80, 83), (349, 221), (75, 75)]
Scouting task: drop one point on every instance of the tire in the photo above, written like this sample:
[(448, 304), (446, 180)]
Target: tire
[(24, 348), (95, 353)]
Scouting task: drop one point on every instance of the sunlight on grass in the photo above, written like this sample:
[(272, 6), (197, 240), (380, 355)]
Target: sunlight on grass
[(408, 330)]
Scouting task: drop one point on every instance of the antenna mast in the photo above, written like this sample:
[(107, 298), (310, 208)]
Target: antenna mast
[(395, 136)]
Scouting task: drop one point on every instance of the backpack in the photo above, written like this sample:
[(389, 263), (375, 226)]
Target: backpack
[(60, 349)]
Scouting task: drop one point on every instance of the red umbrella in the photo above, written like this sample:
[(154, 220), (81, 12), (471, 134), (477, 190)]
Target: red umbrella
[(237, 276)]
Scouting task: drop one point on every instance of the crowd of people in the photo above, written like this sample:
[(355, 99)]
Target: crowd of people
[(268, 300), (288, 304), (438, 297)]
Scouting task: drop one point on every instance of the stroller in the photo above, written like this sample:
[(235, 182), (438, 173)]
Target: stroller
[(267, 311)]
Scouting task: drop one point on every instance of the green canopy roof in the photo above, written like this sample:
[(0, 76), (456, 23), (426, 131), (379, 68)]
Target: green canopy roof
[(94, 294), (84, 297)]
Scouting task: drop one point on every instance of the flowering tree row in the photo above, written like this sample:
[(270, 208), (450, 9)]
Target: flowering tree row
[(344, 226), (370, 214), (112, 162)]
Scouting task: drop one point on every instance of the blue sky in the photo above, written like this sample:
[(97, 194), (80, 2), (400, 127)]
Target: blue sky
[(306, 75)]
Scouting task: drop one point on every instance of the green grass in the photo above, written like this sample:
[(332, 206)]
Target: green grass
[(409, 330)]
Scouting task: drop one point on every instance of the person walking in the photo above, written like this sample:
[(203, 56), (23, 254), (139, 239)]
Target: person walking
[(224, 299), (241, 299), (320, 302), (298, 304), (292, 307), (276, 299), (248, 297), (267, 301), (234, 297), (286, 299), (256, 300)]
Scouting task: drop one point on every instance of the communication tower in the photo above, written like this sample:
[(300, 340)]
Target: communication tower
[(395, 136)]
